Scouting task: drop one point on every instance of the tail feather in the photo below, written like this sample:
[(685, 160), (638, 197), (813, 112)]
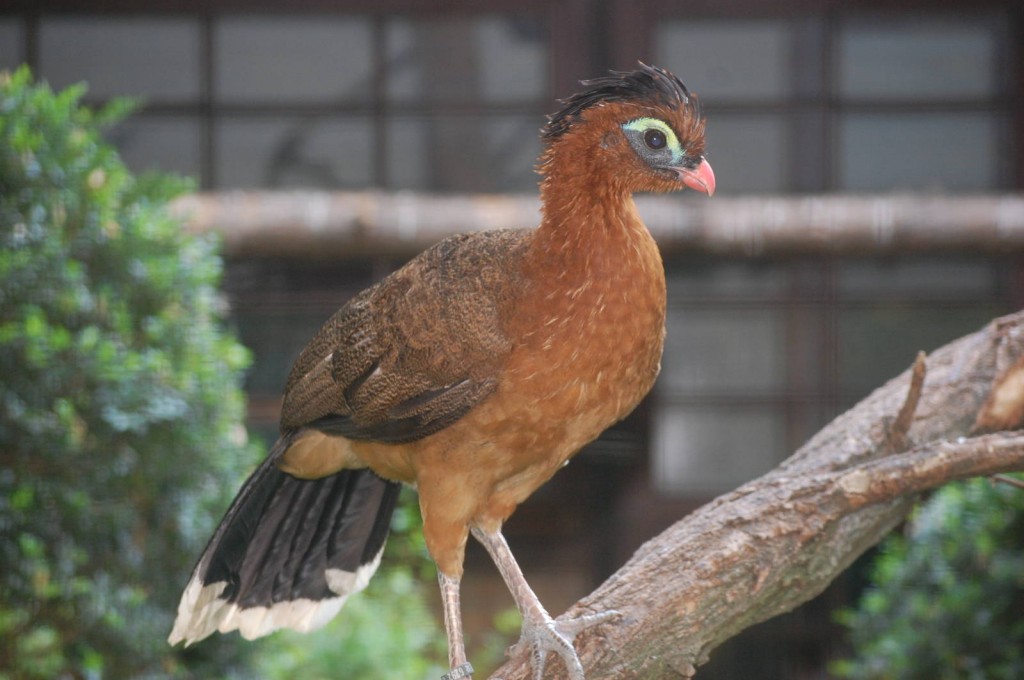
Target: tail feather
[(288, 553)]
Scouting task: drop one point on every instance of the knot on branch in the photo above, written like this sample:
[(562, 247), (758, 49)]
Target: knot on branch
[(897, 438)]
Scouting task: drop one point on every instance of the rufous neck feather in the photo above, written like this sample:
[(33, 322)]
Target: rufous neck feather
[(578, 188)]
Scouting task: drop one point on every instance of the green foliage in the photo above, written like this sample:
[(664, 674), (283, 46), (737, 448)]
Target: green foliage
[(120, 400), (947, 600), (383, 633)]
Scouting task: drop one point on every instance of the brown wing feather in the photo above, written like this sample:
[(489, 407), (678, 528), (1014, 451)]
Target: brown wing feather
[(412, 354)]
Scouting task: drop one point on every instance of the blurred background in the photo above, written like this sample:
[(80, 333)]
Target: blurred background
[(893, 119)]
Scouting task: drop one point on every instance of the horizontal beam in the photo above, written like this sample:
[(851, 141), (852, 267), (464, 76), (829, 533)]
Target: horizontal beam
[(301, 224)]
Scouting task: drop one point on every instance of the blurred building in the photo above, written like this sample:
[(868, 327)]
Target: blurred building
[(767, 340)]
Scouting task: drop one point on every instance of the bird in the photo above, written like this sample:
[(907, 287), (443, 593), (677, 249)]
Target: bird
[(472, 373)]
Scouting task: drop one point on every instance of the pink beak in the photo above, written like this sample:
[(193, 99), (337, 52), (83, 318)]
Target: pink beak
[(701, 178)]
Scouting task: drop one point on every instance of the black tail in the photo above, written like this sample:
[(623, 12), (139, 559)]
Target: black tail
[(288, 552)]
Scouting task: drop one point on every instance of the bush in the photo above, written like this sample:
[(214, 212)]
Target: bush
[(121, 412), (946, 600)]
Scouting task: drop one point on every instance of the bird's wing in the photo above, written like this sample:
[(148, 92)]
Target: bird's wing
[(412, 354)]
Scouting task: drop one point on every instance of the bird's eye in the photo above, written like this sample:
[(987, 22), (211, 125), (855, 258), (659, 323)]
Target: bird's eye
[(655, 139)]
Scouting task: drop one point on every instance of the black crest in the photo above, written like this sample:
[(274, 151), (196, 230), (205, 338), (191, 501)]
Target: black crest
[(648, 83)]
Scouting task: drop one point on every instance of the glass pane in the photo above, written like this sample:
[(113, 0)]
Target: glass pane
[(920, 58), (878, 343), (286, 59), (276, 153), (887, 151), (513, 59), (275, 339), (11, 44), (707, 451), (513, 145), (459, 153), (809, 351), (492, 59), (158, 143), (408, 154), (921, 277), (157, 59), (693, 278), (728, 59), (749, 152), (721, 352)]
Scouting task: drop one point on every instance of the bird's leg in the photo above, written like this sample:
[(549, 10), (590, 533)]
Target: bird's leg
[(541, 634), (460, 668)]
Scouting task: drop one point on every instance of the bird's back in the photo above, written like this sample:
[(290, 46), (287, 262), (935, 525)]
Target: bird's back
[(412, 354)]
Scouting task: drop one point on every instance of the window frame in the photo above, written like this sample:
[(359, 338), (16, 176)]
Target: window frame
[(815, 92), (570, 20)]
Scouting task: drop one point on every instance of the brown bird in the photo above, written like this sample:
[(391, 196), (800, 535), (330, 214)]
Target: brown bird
[(473, 373)]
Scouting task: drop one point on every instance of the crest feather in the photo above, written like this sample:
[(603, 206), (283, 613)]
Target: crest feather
[(648, 83)]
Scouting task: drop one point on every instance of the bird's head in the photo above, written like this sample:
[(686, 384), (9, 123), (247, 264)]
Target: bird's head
[(639, 130)]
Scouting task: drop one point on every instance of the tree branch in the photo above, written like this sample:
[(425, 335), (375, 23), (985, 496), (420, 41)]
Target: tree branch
[(927, 467), (779, 540), (1012, 481)]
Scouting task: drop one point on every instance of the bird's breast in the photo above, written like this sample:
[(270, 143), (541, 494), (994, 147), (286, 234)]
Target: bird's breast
[(589, 347)]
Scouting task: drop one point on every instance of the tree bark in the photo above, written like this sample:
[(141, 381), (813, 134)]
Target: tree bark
[(779, 540)]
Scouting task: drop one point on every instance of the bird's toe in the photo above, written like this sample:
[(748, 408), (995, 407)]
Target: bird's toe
[(549, 635)]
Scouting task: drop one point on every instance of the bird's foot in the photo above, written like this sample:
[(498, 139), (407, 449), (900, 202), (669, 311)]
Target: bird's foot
[(544, 635)]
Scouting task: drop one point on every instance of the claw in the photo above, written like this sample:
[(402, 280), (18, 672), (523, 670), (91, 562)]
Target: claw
[(548, 635), (541, 634)]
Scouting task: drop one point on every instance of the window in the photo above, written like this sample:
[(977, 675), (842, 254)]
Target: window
[(827, 99), (332, 101), (847, 101), (759, 356), (743, 68), (720, 416)]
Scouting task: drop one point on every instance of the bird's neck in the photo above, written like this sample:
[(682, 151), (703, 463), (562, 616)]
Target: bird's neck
[(586, 218)]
